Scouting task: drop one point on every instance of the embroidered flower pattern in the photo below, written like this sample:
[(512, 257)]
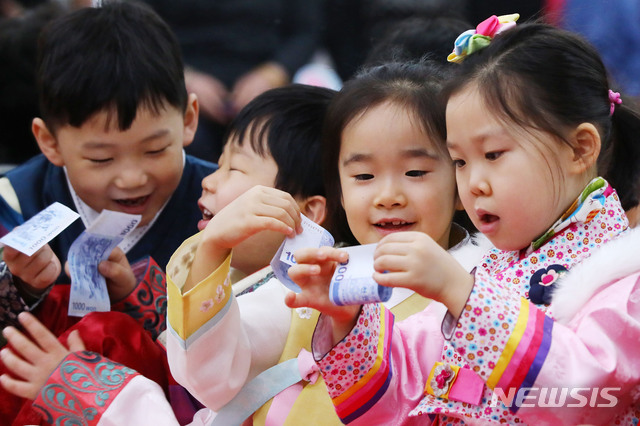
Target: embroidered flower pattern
[(219, 294), (304, 313), (206, 305)]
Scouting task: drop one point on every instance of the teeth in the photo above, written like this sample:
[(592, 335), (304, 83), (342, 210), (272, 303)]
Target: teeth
[(207, 213), (393, 223)]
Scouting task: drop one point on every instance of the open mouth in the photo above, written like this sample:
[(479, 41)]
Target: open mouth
[(488, 218), (206, 214), (133, 202)]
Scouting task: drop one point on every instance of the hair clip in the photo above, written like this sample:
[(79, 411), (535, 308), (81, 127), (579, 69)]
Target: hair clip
[(473, 40), (614, 98)]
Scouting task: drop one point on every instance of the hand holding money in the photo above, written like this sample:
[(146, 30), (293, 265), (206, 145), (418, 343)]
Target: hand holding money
[(117, 271), (414, 260), (94, 245), (257, 210), (312, 272), (118, 274), (37, 271)]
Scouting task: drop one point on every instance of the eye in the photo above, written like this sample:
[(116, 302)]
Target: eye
[(157, 151), (493, 155), (99, 160), (416, 173), (363, 176), (458, 163)]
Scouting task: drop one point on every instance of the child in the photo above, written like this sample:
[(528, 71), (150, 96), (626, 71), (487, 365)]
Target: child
[(527, 118), (391, 114), (115, 119)]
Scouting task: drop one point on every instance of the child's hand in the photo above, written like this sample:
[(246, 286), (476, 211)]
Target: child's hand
[(415, 261), (259, 209), (119, 275), (33, 360), (312, 272), (37, 271)]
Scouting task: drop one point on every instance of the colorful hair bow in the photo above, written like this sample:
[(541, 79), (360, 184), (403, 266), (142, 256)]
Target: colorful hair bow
[(473, 40)]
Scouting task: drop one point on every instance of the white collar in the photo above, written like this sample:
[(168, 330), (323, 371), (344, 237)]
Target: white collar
[(89, 215)]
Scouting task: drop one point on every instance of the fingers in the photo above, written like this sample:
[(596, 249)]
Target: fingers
[(47, 275), (10, 254), (308, 300), (40, 334), (120, 277), (18, 387), (38, 270), (117, 255), (321, 255), (74, 341), (21, 344), (292, 301), (277, 204), (303, 270), (392, 279), (16, 365)]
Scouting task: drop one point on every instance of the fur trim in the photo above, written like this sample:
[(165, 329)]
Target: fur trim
[(613, 261)]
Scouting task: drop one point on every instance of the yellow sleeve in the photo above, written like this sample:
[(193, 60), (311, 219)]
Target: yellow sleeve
[(210, 297)]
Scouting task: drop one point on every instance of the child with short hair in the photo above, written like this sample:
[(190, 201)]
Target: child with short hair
[(115, 119), (546, 328)]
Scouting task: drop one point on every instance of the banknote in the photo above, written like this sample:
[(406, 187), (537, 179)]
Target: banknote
[(312, 235), (40, 229), (88, 287), (352, 282)]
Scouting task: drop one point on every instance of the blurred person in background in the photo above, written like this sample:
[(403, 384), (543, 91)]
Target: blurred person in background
[(236, 49)]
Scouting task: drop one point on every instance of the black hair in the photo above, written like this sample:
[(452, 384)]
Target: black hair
[(549, 79), (418, 37), (117, 58), (414, 86), (286, 124)]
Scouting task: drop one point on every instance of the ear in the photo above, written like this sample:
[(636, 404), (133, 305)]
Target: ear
[(315, 208), (190, 120), (47, 142), (586, 144)]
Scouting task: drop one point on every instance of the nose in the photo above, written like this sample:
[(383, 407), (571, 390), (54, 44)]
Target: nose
[(478, 182), (132, 176), (390, 194), (210, 182)]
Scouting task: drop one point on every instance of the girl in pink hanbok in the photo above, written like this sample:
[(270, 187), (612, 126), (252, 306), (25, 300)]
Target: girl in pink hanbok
[(545, 330)]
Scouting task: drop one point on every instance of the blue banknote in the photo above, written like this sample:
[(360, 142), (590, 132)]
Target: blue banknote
[(88, 287), (312, 235), (352, 282)]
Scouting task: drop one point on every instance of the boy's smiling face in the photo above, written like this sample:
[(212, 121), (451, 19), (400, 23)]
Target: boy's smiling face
[(239, 169), (134, 171)]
